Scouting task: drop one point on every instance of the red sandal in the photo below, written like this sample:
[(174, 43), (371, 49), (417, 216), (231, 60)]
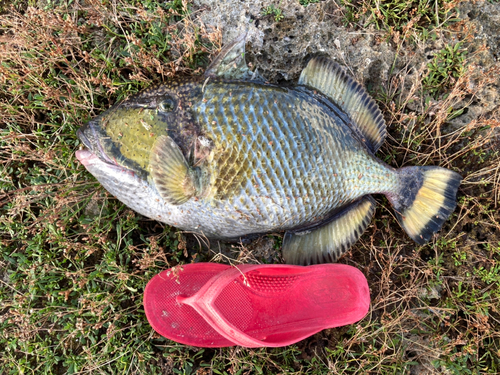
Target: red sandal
[(215, 305)]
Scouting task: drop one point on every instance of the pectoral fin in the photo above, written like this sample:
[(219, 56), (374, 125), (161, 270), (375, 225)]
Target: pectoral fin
[(329, 241), (171, 174)]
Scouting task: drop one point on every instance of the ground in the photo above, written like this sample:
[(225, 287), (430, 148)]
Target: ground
[(74, 261)]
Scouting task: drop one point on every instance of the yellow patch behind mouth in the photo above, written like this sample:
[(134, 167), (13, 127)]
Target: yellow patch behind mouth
[(133, 132)]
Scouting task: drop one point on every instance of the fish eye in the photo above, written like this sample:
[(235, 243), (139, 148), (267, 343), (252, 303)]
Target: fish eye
[(166, 105)]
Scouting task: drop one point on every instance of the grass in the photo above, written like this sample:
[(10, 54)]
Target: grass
[(400, 16), (444, 69), (74, 261), (274, 11), (307, 2)]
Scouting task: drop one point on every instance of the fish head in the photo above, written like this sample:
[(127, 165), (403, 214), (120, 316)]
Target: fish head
[(119, 142)]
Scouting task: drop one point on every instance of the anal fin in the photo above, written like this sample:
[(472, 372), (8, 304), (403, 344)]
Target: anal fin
[(331, 240)]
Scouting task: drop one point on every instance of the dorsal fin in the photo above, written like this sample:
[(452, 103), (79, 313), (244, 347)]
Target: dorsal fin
[(328, 77), (230, 62), (173, 178)]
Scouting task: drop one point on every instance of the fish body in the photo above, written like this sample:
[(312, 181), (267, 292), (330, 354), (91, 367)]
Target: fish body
[(228, 157)]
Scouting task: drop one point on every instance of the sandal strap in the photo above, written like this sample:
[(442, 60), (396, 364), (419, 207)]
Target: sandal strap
[(203, 302)]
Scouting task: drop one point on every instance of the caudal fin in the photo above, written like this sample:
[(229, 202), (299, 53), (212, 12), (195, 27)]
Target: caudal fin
[(426, 198)]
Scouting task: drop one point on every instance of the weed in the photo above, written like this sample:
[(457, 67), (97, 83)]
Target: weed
[(271, 10), (445, 68), (307, 2), (399, 15)]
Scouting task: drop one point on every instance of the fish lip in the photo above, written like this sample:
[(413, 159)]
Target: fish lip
[(94, 147), (91, 161), (85, 156), (81, 136)]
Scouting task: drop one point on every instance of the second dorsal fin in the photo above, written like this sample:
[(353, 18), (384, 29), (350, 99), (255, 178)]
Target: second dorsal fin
[(329, 78)]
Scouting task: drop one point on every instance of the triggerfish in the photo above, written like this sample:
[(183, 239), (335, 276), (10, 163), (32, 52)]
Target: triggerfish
[(228, 155)]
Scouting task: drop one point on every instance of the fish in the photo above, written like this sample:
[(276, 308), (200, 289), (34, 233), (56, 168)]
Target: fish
[(228, 156)]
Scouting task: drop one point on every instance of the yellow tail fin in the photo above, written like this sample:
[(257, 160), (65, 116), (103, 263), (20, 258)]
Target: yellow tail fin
[(426, 199)]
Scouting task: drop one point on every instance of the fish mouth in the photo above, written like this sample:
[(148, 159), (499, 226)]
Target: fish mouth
[(98, 167), (93, 155), (83, 138), (90, 140)]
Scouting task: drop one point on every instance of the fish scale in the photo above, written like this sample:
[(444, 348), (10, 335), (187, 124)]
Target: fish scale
[(274, 181)]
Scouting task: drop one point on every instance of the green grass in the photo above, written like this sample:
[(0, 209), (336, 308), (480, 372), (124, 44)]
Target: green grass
[(307, 2), (401, 16), (74, 261), (445, 68), (274, 11)]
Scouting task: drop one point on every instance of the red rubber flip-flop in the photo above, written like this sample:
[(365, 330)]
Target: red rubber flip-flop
[(214, 305)]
